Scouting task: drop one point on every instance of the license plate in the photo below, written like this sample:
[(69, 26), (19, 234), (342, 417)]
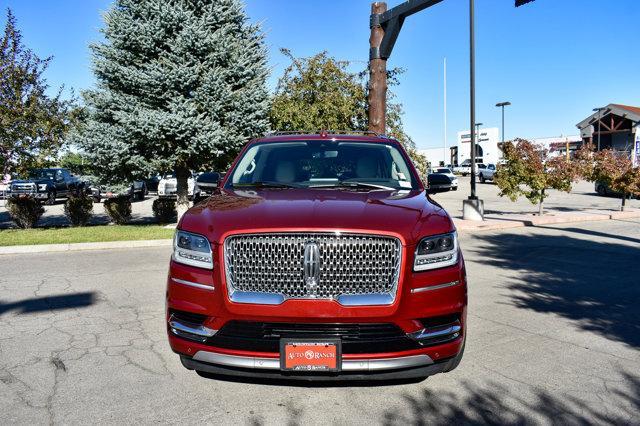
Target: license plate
[(310, 355)]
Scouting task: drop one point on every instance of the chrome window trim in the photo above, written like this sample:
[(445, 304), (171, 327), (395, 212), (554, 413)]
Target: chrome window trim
[(262, 298), (192, 284), (371, 364)]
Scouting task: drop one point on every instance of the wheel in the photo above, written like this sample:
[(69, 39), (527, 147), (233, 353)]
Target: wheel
[(464, 174), (482, 179), (602, 190), (51, 198), (455, 188)]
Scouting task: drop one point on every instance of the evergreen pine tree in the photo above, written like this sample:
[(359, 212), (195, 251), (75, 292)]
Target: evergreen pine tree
[(180, 86)]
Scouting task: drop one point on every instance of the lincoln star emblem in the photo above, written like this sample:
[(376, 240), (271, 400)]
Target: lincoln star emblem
[(311, 265)]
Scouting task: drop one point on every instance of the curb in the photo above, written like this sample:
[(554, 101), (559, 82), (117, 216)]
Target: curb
[(49, 248), (520, 221)]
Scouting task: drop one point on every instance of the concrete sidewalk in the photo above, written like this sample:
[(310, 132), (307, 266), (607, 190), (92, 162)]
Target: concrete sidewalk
[(497, 221)]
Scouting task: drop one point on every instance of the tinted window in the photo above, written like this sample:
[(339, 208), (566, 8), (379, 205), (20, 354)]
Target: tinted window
[(323, 163)]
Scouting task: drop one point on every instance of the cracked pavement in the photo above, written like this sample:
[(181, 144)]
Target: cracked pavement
[(553, 338)]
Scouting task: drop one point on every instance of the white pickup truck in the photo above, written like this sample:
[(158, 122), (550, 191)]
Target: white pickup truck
[(463, 169), (486, 173)]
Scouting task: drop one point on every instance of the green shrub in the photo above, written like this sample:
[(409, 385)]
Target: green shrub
[(118, 208), (164, 210), (24, 211), (78, 208)]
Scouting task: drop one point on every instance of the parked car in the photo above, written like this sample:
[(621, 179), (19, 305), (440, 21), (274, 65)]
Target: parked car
[(437, 182), (47, 185), (603, 189), (206, 184), (463, 169), (137, 191), (486, 173), (152, 183), (321, 259), (447, 172), (168, 186)]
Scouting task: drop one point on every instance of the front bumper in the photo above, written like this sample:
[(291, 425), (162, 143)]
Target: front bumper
[(421, 296), (416, 367)]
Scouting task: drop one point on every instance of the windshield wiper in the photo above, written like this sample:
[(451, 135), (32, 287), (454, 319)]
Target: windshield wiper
[(261, 184), (353, 184)]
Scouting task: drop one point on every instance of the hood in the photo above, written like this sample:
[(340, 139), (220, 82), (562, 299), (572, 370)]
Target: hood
[(36, 181), (410, 215)]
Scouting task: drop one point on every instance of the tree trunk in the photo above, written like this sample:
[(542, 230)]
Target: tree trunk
[(182, 190), (624, 201), (541, 204)]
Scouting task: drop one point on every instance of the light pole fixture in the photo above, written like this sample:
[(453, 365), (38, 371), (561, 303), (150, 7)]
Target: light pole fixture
[(472, 207), (599, 111), (502, 105)]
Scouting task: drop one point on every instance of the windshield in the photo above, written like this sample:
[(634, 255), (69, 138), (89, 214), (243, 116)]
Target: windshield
[(443, 171), (42, 174), (323, 164)]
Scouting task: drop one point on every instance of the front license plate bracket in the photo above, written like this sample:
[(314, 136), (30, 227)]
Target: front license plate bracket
[(311, 355)]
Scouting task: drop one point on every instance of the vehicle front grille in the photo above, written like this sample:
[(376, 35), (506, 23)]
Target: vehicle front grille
[(356, 338), (348, 264), (23, 188)]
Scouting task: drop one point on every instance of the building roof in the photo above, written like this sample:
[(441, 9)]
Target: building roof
[(632, 109), (631, 112)]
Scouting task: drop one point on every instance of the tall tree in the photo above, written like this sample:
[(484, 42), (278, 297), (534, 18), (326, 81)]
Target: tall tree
[(320, 92), (32, 123), (181, 86)]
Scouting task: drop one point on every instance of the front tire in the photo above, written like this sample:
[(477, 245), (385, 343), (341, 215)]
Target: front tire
[(602, 191), (482, 179)]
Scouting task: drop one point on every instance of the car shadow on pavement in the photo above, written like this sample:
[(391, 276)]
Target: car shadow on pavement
[(49, 303), (494, 404), (594, 283)]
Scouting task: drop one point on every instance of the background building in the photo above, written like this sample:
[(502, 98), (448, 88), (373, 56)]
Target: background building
[(615, 127)]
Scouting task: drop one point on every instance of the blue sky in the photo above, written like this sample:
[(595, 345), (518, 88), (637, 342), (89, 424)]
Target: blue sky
[(553, 59)]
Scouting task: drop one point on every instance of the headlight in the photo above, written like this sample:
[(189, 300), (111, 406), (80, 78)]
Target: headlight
[(436, 252), (42, 187), (192, 249)]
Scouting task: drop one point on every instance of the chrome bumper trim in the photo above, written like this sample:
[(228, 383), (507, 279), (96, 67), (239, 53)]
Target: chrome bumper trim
[(258, 298), (425, 334), (179, 327), (434, 287), (192, 284), (375, 364)]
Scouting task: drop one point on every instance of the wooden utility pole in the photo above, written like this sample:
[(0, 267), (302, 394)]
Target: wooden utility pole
[(377, 75)]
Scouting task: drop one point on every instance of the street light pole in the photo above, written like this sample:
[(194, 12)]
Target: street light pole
[(472, 96), (502, 105), (472, 208)]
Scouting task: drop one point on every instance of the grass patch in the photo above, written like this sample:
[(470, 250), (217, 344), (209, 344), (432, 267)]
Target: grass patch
[(87, 234)]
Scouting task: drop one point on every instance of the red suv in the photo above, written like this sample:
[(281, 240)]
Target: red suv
[(320, 257)]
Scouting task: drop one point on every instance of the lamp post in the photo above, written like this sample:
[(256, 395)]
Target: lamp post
[(502, 105), (472, 208), (599, 111)]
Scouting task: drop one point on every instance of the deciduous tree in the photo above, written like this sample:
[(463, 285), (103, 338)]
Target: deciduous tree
[(181, 85), (612, 168), (528, 170), (320, 92), (32, 123)]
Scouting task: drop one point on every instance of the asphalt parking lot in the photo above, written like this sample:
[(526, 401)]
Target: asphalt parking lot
[(582, 196), (554, 337)]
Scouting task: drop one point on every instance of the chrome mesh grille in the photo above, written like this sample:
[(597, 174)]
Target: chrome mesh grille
[(350, 264)]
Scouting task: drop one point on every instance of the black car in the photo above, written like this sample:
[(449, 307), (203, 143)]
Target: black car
[(438, 182), (206, 184)]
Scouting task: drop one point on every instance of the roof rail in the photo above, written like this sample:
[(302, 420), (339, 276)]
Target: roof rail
[(328, 132)]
